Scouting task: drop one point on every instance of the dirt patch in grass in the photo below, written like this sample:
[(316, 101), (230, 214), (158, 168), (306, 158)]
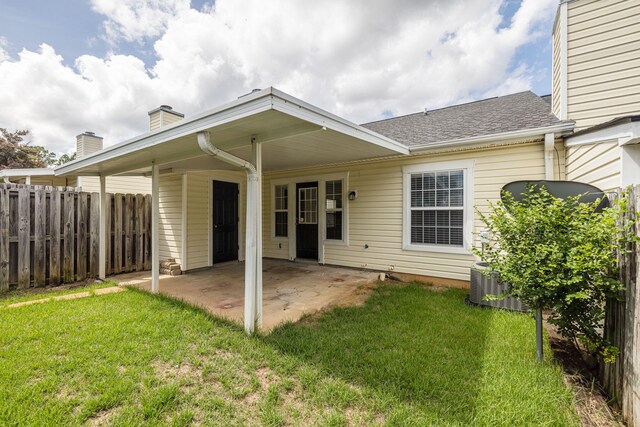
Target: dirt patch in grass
[(102, 418), (580, 375)]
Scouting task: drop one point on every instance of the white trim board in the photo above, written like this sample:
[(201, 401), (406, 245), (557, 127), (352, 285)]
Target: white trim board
[(623, 134)]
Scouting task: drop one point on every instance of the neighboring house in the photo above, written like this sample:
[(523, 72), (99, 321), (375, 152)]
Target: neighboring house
[(596, 83), (34, 176), (394, 195)]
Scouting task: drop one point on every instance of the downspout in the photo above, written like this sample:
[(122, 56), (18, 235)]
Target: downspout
[(549, 147), (251, 282)]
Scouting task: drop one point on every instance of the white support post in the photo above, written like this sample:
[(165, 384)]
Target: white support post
[(253, 232), (257, 161), (27, 180), (250, 256), (155, 226), (253, 246), (102, 250), (549, 146)]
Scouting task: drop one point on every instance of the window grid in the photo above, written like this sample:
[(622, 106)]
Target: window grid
[(437, 208), (281, 210), (334, 202), (308, 205)]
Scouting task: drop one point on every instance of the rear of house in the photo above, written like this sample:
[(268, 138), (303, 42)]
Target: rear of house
[(407, 214)]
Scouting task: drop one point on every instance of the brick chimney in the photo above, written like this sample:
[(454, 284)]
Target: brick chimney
[(163, 116), (87, 143)]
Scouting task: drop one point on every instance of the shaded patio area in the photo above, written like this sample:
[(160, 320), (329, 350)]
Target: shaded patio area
[(290, 289)]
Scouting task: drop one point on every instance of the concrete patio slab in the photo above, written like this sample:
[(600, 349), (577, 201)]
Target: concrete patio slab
[(290, 289)]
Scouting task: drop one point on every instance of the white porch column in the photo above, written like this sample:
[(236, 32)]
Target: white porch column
[(257, 161), (102, 250), (253, 246), (250, 256), (549, 147), (155, 226)]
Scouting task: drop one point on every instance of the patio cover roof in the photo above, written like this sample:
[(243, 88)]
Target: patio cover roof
[(293, 133)]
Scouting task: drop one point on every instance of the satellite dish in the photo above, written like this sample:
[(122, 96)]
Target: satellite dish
[(560, 189)]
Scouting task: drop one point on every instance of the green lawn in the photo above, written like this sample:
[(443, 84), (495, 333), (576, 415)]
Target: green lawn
[(410, 356)]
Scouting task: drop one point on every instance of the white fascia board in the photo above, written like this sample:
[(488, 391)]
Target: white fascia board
[(26, 172), (295, 107), (623, 134), (249, 105), (504, 137)]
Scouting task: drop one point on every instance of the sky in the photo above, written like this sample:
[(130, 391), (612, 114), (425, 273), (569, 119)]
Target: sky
[(71, 66)]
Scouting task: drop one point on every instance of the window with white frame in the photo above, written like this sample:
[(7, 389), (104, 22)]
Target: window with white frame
[(334, 209), (437, 201), (281, 210)]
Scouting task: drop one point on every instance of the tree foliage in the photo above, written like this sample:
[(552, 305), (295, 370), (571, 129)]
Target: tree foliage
[(16, 153), (559, 255)]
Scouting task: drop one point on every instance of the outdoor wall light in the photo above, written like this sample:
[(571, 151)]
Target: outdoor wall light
[(353, 195)]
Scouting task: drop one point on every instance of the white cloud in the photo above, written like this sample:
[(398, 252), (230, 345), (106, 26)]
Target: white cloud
[(354, 58), (134, 20)]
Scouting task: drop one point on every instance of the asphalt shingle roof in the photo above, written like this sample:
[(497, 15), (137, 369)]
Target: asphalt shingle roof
[(524, 110)]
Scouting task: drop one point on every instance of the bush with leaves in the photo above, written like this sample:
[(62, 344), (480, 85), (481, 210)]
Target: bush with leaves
[(559, 255)]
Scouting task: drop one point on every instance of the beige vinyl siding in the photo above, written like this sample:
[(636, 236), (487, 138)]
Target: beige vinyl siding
[(199, 214), (57, 181), (155, 121), (117, 184), (168, 118), (88, 145), (603, 60), (170, 230), (556, 69), (595, 164), (375, 217)]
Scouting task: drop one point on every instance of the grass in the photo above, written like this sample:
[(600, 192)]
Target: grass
[(409, 356), (33, 294)]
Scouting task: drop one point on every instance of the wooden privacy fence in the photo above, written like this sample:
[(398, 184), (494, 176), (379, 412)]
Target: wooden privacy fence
[(621, 379), (51, 235)]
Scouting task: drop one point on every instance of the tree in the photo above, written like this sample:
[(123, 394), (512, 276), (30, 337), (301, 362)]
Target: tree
[(14, 153), (559, 255), (64, 158)]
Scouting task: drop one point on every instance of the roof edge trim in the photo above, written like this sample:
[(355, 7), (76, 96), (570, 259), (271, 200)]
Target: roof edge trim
[(561, 128)]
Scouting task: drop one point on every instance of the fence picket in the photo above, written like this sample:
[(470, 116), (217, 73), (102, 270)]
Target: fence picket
[(81, 245), (139, 221), (147, 232), (94, 234), (39, 248), (24, 238), (4, 239), (54, 240), (128, 230), (117, 234), (69, 237), (109, 245)]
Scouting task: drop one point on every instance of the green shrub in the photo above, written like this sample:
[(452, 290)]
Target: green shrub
[(560, 255)]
